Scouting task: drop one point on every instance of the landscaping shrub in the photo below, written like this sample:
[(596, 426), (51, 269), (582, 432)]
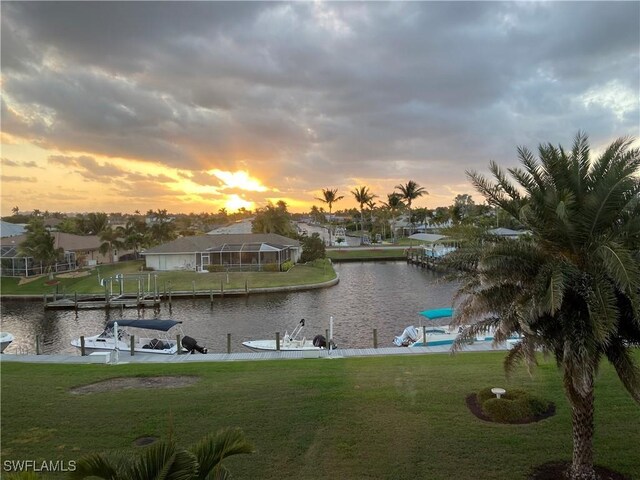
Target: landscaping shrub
[(271, 267), (286, 266), (215, 268), (515, 405)]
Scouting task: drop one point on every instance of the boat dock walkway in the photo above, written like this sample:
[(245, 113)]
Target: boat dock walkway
[(126, 358)]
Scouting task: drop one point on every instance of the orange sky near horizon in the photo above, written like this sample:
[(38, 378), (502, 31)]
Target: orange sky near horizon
[(49, 180)]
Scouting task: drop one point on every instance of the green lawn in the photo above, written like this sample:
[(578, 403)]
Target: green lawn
[(175, 280), (377, 418)]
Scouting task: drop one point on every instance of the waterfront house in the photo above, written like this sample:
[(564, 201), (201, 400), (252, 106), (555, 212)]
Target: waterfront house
[(244, 252), (79, 251)]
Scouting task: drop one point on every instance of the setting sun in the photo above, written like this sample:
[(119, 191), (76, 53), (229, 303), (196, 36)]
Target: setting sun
[(235, 203)]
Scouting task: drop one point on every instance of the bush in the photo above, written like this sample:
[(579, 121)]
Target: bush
[(515, 405), (271, 267), (215, 268), (286, 266), (312, 248)]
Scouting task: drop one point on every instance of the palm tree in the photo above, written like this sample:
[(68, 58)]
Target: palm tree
[(97, 222), (573, 288), (409, 193), (15, 210), (165, 459), (363, 196), (40, 245), (132, 235), (111, 240), (394, 204), (330, 197)]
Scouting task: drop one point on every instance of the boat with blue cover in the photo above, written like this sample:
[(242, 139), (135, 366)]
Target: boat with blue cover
[(117, 335)]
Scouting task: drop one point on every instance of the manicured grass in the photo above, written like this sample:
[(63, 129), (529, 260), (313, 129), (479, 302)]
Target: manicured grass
[(175, 280), (382, 417)]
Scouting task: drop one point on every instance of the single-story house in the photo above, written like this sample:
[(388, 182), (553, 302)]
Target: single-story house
[(253, 251), (79, 250)]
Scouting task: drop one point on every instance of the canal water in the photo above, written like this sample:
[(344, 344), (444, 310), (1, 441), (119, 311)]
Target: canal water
[(386, 296)]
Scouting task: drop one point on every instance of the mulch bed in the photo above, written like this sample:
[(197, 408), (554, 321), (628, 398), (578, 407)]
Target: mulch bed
[(476, 409), (555, 470)]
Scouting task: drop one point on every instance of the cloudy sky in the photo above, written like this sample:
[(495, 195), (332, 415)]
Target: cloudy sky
[(197, 106)]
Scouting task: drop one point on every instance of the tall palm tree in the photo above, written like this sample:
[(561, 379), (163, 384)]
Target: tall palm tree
[(394, 204), (363, 196), (165, 459), (330, 197), (573, 288), (409, 192)]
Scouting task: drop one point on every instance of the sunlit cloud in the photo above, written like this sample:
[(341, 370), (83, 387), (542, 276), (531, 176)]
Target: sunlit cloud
[(239, 179)]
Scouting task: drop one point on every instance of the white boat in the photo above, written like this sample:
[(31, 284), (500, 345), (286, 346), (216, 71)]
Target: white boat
[(290, 342), (161, 343), (438, 335), (5, 339)]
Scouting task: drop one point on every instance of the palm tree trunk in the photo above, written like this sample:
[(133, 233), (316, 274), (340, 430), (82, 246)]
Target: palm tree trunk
[(582, 410)]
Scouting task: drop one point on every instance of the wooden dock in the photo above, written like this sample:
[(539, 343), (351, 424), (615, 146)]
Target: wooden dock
[(126, 358), (95, 303), (419, 258)]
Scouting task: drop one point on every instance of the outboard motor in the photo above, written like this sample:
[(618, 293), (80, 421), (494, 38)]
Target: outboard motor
[(409, 336), (192, 346), (321, 342)]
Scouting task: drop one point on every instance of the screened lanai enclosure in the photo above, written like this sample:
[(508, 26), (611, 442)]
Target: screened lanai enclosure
[(228, 252), (247, 256)]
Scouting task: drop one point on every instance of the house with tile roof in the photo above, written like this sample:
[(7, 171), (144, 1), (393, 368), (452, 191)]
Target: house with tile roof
[(79, 251), (238, 252)]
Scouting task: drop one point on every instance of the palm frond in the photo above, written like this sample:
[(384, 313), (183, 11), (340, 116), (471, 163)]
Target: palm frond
[(213, 449), (621, 357), (97, 465), (164, 461)]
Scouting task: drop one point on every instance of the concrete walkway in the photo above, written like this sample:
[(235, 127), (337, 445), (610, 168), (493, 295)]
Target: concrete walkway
[(108, 357)]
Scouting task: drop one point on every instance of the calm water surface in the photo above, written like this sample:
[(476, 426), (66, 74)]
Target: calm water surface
[(382, 295)]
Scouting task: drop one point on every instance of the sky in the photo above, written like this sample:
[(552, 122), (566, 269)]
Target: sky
[(194, 107)]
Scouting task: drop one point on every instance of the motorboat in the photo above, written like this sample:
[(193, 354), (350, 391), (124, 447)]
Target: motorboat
[(5, 339), (431, 336), (293, 341), (117, 335)]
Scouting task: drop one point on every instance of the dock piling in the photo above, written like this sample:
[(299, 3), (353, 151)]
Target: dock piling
[(278, 341), (375, 338), (83, 351), (133, 344), (228, 343)]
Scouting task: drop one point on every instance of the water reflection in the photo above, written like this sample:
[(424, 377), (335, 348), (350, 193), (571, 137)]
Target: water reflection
[(382, 295)]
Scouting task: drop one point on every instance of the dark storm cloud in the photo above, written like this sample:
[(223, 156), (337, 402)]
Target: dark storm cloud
[(321, 92)]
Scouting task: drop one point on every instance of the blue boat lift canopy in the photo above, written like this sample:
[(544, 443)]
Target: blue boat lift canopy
[(437, 313)]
